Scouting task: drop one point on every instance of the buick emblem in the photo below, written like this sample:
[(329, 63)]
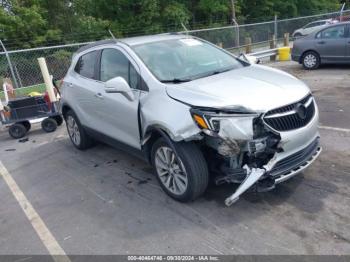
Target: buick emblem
[(301, 111)]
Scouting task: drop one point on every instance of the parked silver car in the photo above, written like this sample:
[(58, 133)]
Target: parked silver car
[(194, 111), (311, 27), (329, 45)]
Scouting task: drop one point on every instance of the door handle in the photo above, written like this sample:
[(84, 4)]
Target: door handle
[(321, 42), (99, 95), (70, 85)]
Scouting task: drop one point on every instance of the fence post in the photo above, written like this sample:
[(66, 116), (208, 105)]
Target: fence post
[(10, 65), (273, 46), (19, 77), (276, 27), (286, 39), (236, 29), (248, 45)]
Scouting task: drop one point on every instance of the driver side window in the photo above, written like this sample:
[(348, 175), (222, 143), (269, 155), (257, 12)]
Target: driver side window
[(115, 64)]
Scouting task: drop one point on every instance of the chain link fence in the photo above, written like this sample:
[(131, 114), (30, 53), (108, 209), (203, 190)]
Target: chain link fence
[(22, 68), (234, 37)]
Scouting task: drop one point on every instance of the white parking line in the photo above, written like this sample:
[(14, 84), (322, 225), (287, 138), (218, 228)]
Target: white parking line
[(335, 129), (38, 224)]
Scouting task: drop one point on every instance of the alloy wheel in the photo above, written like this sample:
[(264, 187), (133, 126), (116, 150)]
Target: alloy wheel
[(73, 130), (171, 170)]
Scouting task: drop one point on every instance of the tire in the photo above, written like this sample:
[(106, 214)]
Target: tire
[(17, 131), (311, 60), (76, 132), (49, 125), (27, 125), (59, 120), (184, 184), (297, 35)]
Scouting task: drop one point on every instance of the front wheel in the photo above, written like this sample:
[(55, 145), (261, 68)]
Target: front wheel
[(180, 168), (311, 60)]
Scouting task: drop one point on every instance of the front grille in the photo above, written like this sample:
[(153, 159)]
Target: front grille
[(288, 118), (297, 159)]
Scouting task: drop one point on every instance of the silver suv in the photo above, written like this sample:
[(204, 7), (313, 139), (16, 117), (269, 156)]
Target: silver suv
[(194, 111)]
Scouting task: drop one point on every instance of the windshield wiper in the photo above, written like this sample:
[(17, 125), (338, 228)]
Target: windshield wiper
[(211, 73), (176, 81), (220, 71)]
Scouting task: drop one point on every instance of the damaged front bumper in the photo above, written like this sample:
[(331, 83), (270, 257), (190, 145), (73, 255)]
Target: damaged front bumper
[(278, 170), (252, 152)]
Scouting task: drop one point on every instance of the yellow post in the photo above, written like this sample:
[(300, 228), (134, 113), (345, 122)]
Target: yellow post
[(284, 53)]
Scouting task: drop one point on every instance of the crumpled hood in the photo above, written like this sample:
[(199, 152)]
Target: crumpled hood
[(255, 88)]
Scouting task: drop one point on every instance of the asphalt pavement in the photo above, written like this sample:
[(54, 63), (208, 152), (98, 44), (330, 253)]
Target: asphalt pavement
[(103, 201)]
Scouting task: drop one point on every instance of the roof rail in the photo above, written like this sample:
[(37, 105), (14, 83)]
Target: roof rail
[(98, 43)]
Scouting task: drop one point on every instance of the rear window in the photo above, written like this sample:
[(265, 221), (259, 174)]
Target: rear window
[(86, 65)]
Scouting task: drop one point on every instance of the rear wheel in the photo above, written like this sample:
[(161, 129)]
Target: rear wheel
[(76, 132), (49, 125), (311, 60), (17, 130), (27, 125), (181, 169), (59, 120)]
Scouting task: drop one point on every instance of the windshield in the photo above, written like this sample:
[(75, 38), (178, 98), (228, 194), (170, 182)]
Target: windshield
[(183, 60)]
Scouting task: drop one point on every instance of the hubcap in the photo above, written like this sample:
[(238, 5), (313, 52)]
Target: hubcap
[(171, 170), (310, 61), (73, 130)]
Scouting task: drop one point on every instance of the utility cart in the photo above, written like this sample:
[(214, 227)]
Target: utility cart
[(19, 113)]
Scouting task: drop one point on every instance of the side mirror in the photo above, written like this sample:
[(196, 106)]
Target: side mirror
[(119, 85), (250, 59)]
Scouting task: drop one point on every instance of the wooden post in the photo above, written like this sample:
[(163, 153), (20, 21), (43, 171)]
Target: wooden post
[(47, 79), (248, 45), (286, 39), (273, 46)]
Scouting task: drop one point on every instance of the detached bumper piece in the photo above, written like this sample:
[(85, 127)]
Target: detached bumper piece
[(277, 171)]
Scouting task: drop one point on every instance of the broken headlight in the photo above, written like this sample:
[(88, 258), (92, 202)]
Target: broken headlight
[(238, 125)]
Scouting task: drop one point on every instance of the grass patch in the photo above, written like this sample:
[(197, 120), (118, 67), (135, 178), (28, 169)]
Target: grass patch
[(24, 91)]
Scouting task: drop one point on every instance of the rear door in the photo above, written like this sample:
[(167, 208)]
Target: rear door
[(331, 43), (83, 89)]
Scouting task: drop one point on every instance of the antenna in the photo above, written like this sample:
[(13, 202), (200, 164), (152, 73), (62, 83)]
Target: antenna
[(110, 32)]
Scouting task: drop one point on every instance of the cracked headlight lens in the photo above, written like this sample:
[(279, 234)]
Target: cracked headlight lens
[(214, 120)]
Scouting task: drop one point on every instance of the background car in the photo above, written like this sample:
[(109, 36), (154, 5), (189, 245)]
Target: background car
[(328, 45), (311, 27)]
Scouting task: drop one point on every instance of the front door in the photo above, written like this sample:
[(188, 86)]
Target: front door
[(120, 115)]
